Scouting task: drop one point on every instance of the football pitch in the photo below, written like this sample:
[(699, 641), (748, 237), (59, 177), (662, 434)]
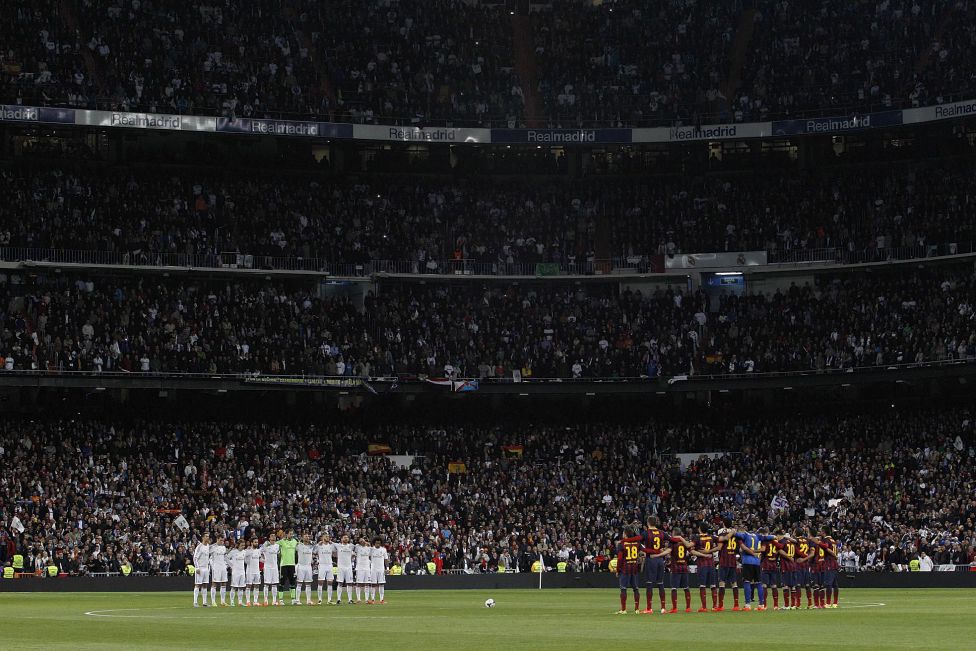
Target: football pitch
[(442, 619)]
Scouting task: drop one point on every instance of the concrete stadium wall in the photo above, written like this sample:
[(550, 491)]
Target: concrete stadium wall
[(468, 582)]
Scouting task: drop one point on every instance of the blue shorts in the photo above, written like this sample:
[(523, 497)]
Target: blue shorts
[(750, 573), (818, 578), (654, 571), (629, 581), (830, 579), (803, 576), (769, 577), (679, 580), (707, 576), (728, 576), (788, 579)]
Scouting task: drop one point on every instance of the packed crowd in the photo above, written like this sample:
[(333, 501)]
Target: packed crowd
[(848, 56), (629, 62), (64, 323), (428, 223), (423, 60), (620, 62), (142, 212), (90, 495)]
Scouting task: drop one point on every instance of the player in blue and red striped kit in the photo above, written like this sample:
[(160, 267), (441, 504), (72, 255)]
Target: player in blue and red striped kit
[(831, 565), (680, 552), (655, 541), (629, 557), (705, 548)]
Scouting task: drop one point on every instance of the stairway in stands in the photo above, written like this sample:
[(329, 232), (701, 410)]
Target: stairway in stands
[(926, 55), (300, 29), (70, 22), (527, 69), (737, 57), (603, 242)]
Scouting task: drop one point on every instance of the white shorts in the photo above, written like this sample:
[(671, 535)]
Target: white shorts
[(377, 576), (345, 575), (237, 579), (325, 573), (218, 574), (271, 575), (201, 576), (362, 575), (303, 573), (253, 578)]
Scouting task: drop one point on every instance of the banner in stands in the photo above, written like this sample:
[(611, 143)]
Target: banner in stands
[(939, 112), (561, 136), (15, 113), (154, 121), (329, 382), (837, 124), (448, 135), (453, 135), (284, 128), (704, 132), (708, 260)]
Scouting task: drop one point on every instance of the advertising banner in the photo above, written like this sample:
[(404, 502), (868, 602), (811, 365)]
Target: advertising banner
[(153, 121), (284, 128), (17, 113), (561, 136), (939, 112), (449, 135), (711, 260), (704, 132), (837, 124)]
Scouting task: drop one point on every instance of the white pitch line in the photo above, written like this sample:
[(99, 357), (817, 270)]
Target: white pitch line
[(105, 613)]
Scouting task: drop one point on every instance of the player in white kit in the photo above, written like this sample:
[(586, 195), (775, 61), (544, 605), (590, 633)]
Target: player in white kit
[(269, 554), (201, 567), (218, 572), (363, 551), (378, 559), (252, 572), (344, 552), (236, 559), (324, 551), (303, 569)]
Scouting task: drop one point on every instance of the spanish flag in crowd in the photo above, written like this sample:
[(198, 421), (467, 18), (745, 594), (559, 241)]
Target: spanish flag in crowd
[(513, 451), (457, 468), (375, 449)]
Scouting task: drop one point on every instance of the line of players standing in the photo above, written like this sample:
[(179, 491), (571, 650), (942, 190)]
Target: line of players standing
[(791, 561), (290, 563)]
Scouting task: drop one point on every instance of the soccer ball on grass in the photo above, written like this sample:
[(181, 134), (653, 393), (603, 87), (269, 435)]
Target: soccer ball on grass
[(489, 603)]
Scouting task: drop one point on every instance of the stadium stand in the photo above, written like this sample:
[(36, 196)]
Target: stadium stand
[(153, 325), (91, 493), (613, 63), (862, 213), (257, 332)]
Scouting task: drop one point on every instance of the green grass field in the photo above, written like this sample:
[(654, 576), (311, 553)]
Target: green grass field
[(436, 619)]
